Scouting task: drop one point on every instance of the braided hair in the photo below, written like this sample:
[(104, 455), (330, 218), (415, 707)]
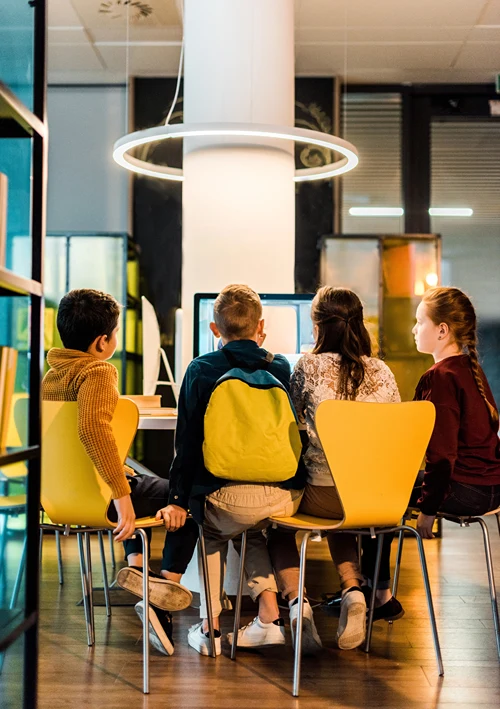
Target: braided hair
[(453, 307), (338, 315)]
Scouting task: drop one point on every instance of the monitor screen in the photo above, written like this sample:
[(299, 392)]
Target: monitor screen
[(287, 318)]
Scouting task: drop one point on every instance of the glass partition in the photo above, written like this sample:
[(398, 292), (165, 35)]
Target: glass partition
[(390, 274), (16, 48)]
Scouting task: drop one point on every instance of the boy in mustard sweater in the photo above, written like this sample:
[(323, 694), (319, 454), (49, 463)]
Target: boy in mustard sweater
[(87, 321)]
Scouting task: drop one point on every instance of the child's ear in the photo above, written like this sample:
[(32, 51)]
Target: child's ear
[(215, 330), (260, 327), (101, 342)]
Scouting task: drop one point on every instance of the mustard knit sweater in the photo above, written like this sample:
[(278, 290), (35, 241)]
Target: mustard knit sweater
[(79, 376)]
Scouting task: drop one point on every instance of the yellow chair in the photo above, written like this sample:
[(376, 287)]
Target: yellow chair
[(374, 452), (73, 493)]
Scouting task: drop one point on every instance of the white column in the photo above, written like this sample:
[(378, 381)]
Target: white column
[(238, 198)]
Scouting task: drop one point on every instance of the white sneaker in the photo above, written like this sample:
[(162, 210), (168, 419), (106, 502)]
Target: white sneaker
[(351, 631), (259, 634), (200, 641), (311, 642)]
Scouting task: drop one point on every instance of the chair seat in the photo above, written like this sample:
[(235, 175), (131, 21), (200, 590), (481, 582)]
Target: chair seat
[(301, 521), (12, 502)]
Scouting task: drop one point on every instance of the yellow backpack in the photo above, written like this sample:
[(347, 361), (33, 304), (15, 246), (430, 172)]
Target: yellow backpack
[(251, 430)]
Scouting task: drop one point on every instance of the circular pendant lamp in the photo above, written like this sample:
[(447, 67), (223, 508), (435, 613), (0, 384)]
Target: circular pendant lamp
[(253, 131)]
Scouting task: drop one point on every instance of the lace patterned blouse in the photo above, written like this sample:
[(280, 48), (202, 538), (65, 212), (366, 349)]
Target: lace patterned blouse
[(314, 379)]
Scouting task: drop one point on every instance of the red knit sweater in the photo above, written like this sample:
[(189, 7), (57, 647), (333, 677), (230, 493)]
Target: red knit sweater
[(464, 445)]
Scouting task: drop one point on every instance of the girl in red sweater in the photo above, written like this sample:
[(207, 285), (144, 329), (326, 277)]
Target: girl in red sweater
[(462, 465)]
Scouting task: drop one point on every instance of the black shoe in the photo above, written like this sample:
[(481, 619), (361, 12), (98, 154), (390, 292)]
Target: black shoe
[(392, 610), (160, 628)]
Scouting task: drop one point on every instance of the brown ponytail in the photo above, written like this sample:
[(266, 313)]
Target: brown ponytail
[(453, 307), (338, 315)]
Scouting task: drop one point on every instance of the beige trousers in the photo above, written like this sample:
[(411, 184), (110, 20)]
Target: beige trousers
[(233, 509)]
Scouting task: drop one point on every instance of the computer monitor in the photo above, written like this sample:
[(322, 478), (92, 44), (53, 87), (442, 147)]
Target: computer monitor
[(153, 353), (287, 324)]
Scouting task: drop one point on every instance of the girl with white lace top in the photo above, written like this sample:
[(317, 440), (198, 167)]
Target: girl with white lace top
[(339, 367)]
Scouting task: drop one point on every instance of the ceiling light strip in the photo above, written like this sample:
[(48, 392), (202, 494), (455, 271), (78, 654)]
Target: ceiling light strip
[(399, 211)]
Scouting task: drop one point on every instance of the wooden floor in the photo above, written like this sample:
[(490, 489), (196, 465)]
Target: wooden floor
[(399, 672)]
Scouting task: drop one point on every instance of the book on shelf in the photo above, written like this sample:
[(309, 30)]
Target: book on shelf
[(3, 216), (8, 366)]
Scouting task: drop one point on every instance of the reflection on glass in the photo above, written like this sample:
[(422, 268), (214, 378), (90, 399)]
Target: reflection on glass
[(354, 264), (16, 49), (407, 267), (12, 540), (14, 369), (15, 163), (92, 264), (12, 670), (390, 274)]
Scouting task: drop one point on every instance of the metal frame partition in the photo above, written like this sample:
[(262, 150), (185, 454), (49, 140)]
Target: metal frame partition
[(17, 121)]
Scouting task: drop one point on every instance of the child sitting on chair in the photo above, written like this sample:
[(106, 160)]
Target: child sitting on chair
[(87, 321), (462, 463), (339, 367), (227, 506)]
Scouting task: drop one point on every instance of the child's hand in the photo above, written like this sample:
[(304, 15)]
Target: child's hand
[(173, 516), (126, 518), (424, 525)]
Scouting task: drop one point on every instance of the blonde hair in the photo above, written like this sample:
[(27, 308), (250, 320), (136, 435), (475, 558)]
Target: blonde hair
[(453, 307), (237, 311)]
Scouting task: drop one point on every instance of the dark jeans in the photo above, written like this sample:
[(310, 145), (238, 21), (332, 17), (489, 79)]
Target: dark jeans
[(369, 547), (149, 494), (463, 499)]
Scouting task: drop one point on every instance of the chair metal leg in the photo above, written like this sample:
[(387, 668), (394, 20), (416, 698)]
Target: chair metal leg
[(491, 581), (40, 548), (83, 574), (206, 583), (237, 608), (397, 568), (430, 605), (300, 616), (19, 575), (90, 585), (380, 541), (145, 615), (59, 557), (498, 521), (112, 549), (104, 574)]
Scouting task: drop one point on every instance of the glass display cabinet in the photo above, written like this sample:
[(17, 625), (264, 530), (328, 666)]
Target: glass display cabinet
[(390, 274), (106, 261), (23, 178)]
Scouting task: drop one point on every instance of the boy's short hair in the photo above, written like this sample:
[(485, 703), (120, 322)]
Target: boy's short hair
[(85, 314), (237, 311)]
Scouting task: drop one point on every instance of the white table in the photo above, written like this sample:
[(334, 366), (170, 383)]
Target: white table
[(157, 423)]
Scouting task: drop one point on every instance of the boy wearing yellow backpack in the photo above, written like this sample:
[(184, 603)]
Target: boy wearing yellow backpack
[(237, 455)]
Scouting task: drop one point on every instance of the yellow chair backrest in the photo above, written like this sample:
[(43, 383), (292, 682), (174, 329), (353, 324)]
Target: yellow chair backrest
[(17, 434), (374, 453), (73, 492)]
